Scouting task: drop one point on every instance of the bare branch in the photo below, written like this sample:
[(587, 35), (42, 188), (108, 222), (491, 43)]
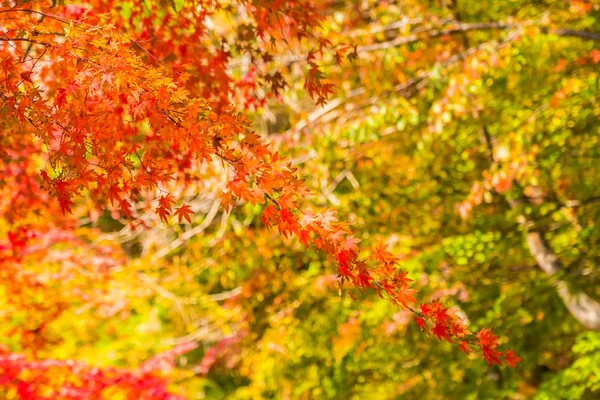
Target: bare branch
[(462, 28), (585, 309), (27, 40)]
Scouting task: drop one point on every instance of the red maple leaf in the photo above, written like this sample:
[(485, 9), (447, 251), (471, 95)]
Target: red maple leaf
[(184, 212), (420, 322), (426, 309), (487, 338), (491, 356), (126, 208), (343, 259), (114, 194), (441, 331), (165, 205), (163, 213), (459, 329), (26, 76), (304, 236), (363, 279), (511, 358)]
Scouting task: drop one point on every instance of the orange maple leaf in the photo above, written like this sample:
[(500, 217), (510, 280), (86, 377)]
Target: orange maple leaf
[(405, 296), (184, 212), (465, 348), (512, 358)]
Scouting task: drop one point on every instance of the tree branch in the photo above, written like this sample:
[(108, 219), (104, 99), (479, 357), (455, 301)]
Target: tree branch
[(435, 33), (7, 39), (581, 306), (462, 28), (585, 309), (406, 90), (572, 33)]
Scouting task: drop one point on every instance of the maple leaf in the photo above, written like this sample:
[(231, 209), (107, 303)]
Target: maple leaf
[(107, 78), (492, 356), (286, 216), (487, 338), (85, 177), (184, 212), (26, 76), (405, 296), (64, 196), (363, 279), (343, 259), (65, 204), (426, 309), (458, 329), (304, 237), (464, 347), (328, 218), (401, 279), (349, 243), (353, 55), (126, 208), (114, 194), (61, 98), (441, 331), (165, 205), (266, 57), (163, 213), (269, 215), (440, 313), (227, 201), (166, 202), (72, 87), (255, 196), (420, 322), (383, 255), (511, 358)]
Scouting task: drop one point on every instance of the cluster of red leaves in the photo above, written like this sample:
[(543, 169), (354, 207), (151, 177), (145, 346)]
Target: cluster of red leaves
[(445, 325), (108, 125), (105, 92), (70, 380), (380, 272)]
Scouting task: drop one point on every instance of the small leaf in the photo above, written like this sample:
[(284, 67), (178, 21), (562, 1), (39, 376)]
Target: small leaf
[(184, 212), (511, 358)]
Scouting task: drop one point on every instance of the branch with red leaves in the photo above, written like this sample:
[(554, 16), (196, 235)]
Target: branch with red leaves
[(117, 128)]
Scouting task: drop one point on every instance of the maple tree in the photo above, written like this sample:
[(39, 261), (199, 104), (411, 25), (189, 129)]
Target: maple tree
[(125, 117)]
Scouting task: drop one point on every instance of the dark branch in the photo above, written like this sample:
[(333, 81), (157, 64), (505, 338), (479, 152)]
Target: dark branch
[(463, 28), (27, 40)]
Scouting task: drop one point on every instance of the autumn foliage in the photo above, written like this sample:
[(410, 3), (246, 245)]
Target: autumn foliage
[(124, 109)]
